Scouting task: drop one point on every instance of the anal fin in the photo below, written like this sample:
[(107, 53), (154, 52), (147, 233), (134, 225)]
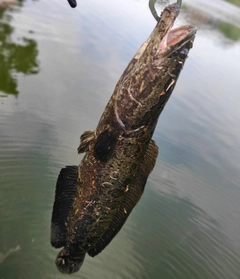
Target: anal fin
[(64, 195), (134, 192)]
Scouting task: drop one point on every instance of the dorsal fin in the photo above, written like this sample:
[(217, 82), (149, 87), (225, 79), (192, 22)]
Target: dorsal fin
[(64, 195), (86, 138), (134, 192)]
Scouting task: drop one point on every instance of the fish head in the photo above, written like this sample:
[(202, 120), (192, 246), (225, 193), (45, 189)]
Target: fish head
[(166, 44), (152, 74)]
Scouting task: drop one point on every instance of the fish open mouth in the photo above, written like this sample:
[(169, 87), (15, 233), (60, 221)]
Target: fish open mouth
[(163, 40), (168, 37), (177, 35)]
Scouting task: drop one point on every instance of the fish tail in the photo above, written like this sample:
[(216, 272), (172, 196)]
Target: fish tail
[(68, 263)]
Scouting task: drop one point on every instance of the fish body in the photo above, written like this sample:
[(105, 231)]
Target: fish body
[(94, 199)]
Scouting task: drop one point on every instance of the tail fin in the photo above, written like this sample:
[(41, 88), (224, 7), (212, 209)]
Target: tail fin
[(68, 263)]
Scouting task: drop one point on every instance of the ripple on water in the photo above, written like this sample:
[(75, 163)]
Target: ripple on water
[(183, 226), (189, 242)]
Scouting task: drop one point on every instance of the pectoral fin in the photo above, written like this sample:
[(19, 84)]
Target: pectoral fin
[(105, 145), (134, 192), (86, 138), (64, 195)]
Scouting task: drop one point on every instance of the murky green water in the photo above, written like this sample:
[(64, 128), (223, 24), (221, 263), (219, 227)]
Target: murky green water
[(58, 68)]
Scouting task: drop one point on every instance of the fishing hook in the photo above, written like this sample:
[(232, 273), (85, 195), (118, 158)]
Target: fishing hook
[(151, 5)]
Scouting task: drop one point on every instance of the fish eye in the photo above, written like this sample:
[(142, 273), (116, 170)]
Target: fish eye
[(183, 54)]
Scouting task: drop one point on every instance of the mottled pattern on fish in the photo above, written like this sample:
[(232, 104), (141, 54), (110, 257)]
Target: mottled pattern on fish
[(93, 200)]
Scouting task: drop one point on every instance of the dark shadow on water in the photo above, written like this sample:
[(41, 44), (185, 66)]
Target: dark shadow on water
[(15, 57)]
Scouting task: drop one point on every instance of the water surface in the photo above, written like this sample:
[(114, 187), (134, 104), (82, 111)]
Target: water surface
[(58, 68)]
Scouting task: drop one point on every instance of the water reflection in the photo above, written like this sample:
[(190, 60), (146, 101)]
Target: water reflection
[(235, 2), (185, 241), (199, 15), (230, 31), (15, 57), (204, 20), (214, 15), (28, 195), (187, 223)]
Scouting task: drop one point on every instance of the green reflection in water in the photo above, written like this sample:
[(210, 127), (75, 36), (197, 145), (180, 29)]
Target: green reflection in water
[(200, 18), (230, 31), (235, 2), (15, 58)]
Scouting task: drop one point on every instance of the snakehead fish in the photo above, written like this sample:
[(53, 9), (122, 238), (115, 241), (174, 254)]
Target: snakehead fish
[(94, 199)]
